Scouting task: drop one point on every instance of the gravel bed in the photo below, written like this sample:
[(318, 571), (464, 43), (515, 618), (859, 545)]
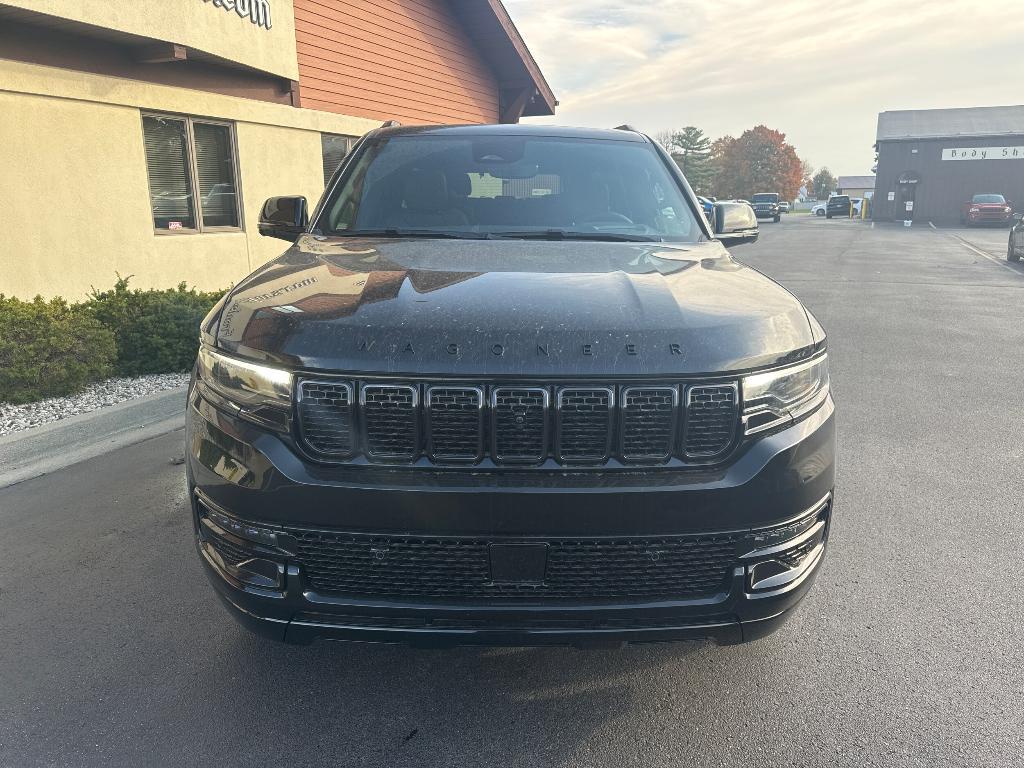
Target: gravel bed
[(14, 418)]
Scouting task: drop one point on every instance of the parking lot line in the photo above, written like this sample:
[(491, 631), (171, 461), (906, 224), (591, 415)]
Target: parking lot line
[(975, 249)]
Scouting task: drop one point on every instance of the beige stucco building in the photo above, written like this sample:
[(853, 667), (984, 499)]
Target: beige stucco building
[(142, 138)]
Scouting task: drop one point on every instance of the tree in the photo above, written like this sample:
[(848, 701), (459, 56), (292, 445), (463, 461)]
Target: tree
[(691, 150), (666, 139), (760, 160), (823, 184)]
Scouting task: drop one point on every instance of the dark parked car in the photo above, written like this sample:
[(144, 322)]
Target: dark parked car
[(1015, 247), (766, 206), (838, 205), (986, 209), (707, 205), (509, 387)]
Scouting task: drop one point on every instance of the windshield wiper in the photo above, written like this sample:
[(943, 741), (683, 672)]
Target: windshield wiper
[(563, 234), (393, 232)]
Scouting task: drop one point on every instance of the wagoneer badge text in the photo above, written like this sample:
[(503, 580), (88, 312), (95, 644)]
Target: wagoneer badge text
[(543, 350)]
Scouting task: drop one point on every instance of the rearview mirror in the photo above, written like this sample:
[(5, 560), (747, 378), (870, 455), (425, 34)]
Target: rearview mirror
[(735, 223), (284, 217)]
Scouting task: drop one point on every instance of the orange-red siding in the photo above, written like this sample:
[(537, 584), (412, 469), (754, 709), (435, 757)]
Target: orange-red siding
[(408, 60)]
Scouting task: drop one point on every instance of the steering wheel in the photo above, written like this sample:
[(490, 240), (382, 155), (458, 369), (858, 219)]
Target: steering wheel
[(609, 217)]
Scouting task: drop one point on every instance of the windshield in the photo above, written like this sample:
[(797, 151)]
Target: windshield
[(510, 186), (988, 199), (765, 198)]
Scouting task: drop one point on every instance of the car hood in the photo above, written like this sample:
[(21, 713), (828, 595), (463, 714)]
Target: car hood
[(512, 308)]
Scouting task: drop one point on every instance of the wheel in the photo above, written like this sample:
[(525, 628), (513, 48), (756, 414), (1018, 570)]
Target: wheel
[(1011, 253), (777, 219), (819, 212)]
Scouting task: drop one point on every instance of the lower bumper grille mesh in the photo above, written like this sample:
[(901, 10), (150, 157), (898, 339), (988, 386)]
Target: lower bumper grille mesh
[(429, 568)]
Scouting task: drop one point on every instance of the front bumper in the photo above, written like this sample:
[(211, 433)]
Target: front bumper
[(990, 217), (244, 478)]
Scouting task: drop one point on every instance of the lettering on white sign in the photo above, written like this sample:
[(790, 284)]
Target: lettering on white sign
[(257, 11), (983, 153)]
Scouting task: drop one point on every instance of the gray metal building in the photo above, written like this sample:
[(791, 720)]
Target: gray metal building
[(936, 159)]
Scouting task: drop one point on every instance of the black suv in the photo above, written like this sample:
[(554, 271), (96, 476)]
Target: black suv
[(766, 206), (838, 205), (508, 387)]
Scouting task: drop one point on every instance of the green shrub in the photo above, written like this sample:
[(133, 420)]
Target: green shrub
[(156, 331), (50, 349)]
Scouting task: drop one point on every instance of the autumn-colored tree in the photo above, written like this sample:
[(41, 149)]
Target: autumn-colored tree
[(759, 160)]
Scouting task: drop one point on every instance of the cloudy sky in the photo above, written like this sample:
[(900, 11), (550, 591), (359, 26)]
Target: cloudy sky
[(818, 71)]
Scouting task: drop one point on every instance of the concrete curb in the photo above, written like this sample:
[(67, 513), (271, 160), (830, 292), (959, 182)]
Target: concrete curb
[(59, 444)]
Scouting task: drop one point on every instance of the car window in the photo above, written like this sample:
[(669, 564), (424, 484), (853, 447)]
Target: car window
[(504, 185), (988, 199), (765, 198)]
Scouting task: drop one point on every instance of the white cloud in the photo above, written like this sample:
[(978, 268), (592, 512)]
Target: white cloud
[(818, 71)]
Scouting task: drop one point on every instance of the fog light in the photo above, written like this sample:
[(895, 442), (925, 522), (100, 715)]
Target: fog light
[(776, 566), (767, 574), (252, 571)]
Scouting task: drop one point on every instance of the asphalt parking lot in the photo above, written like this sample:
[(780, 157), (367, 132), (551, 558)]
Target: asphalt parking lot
[(116, 652)]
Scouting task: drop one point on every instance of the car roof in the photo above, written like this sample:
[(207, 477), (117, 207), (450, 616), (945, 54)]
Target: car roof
[(555, 131)]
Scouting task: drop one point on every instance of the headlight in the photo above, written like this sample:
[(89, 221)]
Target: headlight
[(778, 398), (255, 392)]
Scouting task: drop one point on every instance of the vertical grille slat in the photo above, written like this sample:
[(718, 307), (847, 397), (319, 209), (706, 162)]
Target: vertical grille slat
[(712, 413), (519, 424), (649, 416), (455, 423), (390, 420), (584, 423), (326, 417)]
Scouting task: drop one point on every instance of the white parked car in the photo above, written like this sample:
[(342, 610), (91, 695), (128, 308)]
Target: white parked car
[(819, 209)]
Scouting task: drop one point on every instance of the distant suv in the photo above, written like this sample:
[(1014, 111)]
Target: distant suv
[(766, 206), (509, 387), (838, 205), (986, 209)]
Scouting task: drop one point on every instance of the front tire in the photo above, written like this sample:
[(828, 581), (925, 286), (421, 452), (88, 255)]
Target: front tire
[(1011, 253), (819, 212)]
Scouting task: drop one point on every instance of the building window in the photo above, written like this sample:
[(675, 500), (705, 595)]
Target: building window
[(192, 174), (335, 147)]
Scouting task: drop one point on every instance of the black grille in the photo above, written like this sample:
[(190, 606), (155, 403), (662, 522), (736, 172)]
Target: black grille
[(414, 568), (648, 422), (326, 417), (455, 423), (711, 414), (584, 423), (519, 424), (573, 424), (390, 420)]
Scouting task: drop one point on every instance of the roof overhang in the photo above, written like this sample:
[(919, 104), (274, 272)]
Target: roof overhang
[(524, 91)]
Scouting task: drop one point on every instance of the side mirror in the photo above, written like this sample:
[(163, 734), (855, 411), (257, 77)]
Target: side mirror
[(735, 223), (1017, 217), (284, 217)]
